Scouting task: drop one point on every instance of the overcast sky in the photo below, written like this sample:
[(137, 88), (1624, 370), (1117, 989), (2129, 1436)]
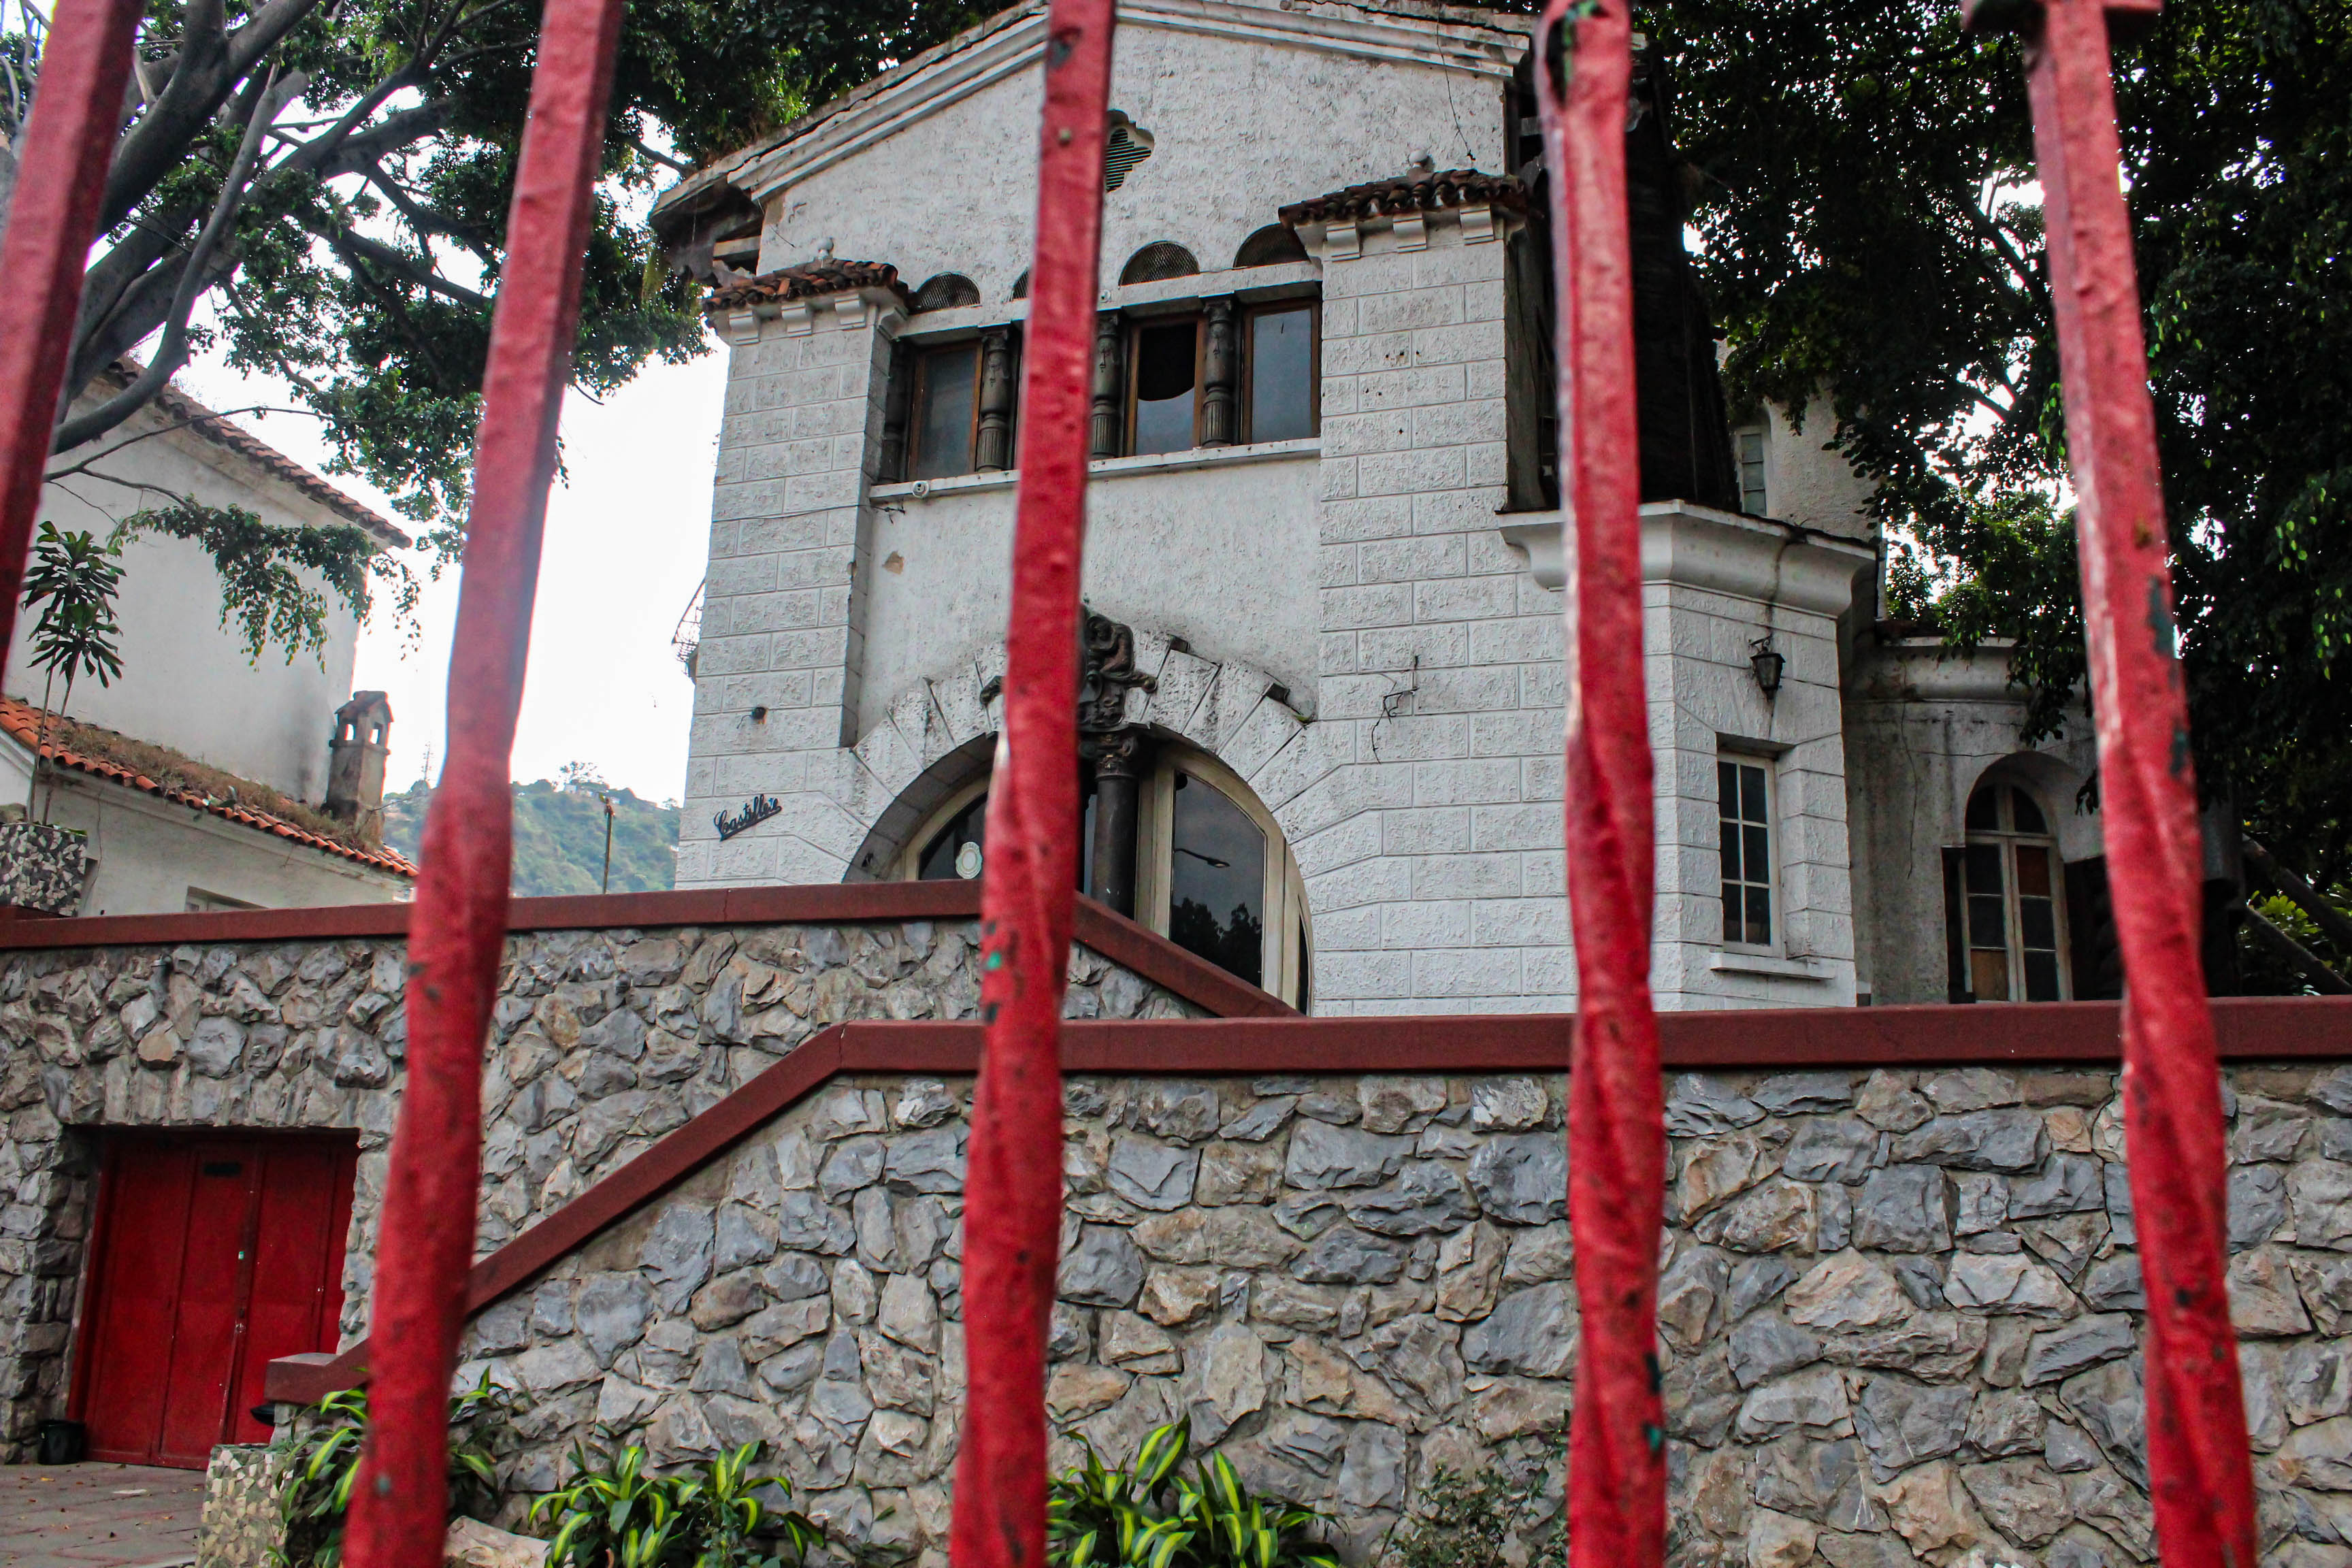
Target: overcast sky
[(628, 534)]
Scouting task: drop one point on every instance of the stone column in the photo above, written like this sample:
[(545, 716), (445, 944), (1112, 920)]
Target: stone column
[(991, 448), (1110, 376), (1117, 790), (1220, 365)]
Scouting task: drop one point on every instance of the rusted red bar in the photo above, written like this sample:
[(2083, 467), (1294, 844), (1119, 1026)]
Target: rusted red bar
[(1013, 1213), (2199, 1474), (426, 1241), (60, 180), (1617, 1462)]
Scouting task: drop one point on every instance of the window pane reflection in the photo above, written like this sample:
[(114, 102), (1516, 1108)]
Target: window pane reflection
[(943, 423), (1166, 366), (943, 859), (1217, 881), (1282, 376)]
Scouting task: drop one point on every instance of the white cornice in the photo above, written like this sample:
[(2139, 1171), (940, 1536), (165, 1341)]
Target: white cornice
[(1491, 51), (1694, 546)]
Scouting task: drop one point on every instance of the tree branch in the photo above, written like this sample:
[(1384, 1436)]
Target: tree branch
[(2296, 957), (210, 416), (2331, 920), (351, 244)]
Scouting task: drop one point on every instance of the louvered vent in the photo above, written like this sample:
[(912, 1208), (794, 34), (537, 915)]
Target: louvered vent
[(1128, 147)]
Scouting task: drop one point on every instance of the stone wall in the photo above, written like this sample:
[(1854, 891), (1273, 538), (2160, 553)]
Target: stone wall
[(601, 1042), (1900, 1309)]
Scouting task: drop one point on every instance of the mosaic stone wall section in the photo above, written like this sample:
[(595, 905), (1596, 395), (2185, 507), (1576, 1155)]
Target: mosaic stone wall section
[(600, 1042), (1899, 1309)]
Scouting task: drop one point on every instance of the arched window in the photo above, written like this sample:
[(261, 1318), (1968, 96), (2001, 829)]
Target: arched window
[(1161, 260), (2014, 909), (1213, 872), (946, 292), (1271, 246)]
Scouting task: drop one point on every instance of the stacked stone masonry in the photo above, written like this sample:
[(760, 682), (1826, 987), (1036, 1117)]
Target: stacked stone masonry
[(1899, 1315), (601, 1042)]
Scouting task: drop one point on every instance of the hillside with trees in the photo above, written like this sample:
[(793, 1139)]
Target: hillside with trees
[(559, 836)]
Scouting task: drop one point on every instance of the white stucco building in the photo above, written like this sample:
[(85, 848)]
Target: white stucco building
[(199, 776), (1324, 714)]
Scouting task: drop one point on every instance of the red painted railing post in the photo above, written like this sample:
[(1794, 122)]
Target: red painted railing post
[(1617, 1461), (2199, 1474), (1013, 1213), (456, 935), (60, 180)]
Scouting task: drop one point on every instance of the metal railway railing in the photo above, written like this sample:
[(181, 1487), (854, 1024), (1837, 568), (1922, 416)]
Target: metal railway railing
[(2198, 1459)]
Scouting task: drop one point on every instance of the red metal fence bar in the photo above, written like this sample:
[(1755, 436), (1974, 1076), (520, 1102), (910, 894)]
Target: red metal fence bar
[(1617, 1461), (426, 1241), (1013, 1215), (2199, 1474), (61, 179)]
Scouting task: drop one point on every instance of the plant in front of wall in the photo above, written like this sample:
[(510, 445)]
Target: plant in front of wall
[(322, 1445), (70, 588), (1475, 1520), (1147, 1515), (615, 1513)]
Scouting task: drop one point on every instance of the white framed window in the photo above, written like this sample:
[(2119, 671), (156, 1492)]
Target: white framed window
[(1214, 873), (2013, 912), (1746, 826), (1748, 447)]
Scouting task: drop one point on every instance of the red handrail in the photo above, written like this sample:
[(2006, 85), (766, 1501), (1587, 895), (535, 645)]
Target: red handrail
[(426, 1240), (1616, 1134), (2201, 1475), (61, 179), (1013, 1213)]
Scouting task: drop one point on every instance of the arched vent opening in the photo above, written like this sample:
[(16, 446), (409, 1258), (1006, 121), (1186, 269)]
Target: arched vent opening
[(1127, 145), (1020, 284), (1270, 246), (947, 292), (1162, 258)]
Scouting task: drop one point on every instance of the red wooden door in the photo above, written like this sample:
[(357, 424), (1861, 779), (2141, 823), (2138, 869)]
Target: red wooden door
[(213, 1255)]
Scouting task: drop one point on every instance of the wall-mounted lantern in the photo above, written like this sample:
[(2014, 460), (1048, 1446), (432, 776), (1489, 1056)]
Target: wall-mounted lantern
[(1766, 664)]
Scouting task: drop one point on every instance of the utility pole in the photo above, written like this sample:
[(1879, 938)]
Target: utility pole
[(607, 799)]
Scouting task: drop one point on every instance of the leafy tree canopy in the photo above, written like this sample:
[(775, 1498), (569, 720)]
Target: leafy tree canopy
[(1872, 237), (333, 179)]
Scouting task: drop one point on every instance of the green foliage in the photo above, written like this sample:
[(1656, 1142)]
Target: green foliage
[(261, 571), (354, 249), (70, 587), (1474, 1522), (324, 1447), (559, 838), (1145, 1515), (617, 1514), (1871, 239)]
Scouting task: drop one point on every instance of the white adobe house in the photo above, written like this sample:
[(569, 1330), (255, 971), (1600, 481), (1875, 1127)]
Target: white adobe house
[(256, 821), (1324, 704)]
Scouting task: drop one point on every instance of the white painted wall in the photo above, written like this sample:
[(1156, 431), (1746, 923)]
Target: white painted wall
[(149, 854), (1806, 482), (187, 682)]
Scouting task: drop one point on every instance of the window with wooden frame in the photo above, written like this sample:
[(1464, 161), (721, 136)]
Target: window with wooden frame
[(1163, 385), (1282, 380), (2013, 911), (1744, 818), (946, 418)]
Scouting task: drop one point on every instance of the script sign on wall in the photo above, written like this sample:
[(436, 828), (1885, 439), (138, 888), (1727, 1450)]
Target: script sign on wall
[(756, 810)]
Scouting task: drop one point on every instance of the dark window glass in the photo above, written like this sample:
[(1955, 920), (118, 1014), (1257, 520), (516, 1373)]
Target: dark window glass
[(939, 861), (1282, 374), (1982, 810), (947, 396), (1167, 369), (1744, 820), (1216, 881), (2029, 815)]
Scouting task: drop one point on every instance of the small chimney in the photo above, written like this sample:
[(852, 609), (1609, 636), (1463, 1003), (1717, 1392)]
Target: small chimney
[(355, 762)]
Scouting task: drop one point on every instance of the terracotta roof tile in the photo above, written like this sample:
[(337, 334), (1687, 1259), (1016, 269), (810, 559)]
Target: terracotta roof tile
[(807, 282), (219, 429), (20, 721), (1409, 194)]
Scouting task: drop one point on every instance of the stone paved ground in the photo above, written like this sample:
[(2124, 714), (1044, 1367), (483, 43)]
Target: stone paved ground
[(97, 1516)]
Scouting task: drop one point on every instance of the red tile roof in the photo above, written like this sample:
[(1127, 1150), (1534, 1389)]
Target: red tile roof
[(217, 428), (85, 748), (1409, 194), (807, 282)]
